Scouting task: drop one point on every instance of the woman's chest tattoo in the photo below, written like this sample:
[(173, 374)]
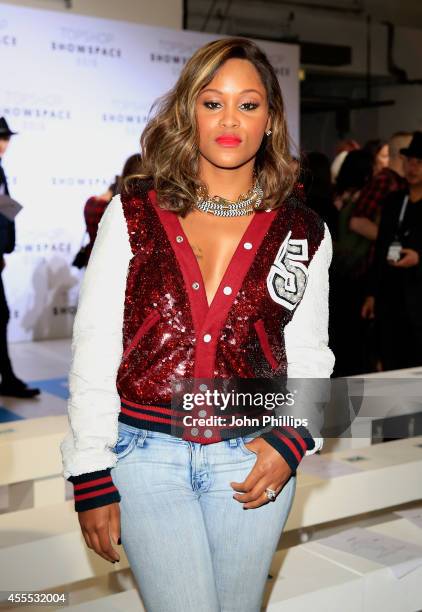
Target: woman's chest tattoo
[(197, 251)]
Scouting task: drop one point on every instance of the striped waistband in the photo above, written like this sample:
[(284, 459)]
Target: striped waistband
[(208, 427)]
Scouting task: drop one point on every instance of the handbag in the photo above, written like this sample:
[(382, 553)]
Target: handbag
[(81, 258)]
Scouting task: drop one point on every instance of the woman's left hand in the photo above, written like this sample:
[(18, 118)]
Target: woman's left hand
[(270, 471)]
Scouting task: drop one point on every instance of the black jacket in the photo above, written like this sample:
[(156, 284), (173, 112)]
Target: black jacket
[(7, 227), (7, 235), (398, 288)]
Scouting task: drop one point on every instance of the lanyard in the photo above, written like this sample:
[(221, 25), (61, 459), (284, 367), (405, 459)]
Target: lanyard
[(402, 213)]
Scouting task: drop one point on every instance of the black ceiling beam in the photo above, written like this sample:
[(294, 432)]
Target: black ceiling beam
[(323, 105)]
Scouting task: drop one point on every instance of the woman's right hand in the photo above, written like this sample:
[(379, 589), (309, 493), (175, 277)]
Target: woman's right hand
[(101, 527)]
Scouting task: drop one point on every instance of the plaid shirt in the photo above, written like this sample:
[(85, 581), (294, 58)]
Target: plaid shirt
[(93, 211), (369, 202)]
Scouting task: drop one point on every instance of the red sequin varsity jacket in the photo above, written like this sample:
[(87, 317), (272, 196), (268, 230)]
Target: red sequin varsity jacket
[(143, 323)]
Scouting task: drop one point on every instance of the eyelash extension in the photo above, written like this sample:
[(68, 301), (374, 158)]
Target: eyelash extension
[(253, 104)]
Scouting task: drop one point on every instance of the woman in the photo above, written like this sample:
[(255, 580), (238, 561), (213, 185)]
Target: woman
[(95, 206), (354, 174), (378, 149), (202, 298)]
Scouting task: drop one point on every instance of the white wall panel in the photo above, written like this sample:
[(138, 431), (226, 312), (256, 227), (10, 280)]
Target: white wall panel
[(78, 90)]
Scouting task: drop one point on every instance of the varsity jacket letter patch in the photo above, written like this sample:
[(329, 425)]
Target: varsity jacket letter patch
[(288, 277)]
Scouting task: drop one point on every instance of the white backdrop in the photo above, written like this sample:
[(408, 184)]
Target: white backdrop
[(78, 90)]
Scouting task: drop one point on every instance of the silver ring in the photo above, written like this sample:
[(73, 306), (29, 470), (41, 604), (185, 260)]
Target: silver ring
[(271, 494)]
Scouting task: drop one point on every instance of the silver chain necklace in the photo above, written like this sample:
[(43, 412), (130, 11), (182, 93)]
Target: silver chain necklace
[(246, 204)]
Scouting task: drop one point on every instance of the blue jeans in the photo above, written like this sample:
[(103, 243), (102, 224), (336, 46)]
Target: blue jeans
[(190, 545)]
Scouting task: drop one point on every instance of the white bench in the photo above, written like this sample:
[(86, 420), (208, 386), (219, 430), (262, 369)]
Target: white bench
[(381, 589), (320, 500), (389, 476), (127, 601), (30, 460), (42, 548), (313, 576), (52, 533), (300, 581)]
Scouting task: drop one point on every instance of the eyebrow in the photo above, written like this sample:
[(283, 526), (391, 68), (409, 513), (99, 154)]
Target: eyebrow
[(242, 92)]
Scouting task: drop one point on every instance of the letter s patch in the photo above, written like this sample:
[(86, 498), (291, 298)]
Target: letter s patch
[(288, 277)]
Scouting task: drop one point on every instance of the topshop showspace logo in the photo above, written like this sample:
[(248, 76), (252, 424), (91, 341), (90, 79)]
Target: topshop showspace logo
[(279, 64), (179, 47), (167, 58), (33, 108), (124, 118), (282, 71), (7, 38), (59, 311), (43, 247), (86, 44), (128, 112), (80, 181), (173, 53), (56, 311), (36, 113), (129, 105)]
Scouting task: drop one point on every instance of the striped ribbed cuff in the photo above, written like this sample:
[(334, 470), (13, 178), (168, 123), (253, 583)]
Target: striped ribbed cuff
[(292, 443), (93, 490)]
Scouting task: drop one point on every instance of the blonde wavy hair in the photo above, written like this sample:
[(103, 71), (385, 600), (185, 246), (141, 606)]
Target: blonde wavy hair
[(169, 142)]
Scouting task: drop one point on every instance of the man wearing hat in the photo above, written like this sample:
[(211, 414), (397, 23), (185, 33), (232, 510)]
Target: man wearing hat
[(396, 278), (10, 384)]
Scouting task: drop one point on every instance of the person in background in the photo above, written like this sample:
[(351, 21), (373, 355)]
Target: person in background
[(378, 149), (10, 384), (94, 209), (132, 167), (367, 212), (354, 173), (348, 144), (396, 274), (365, 218), (318, 188), (343, 147), (347, 330), (96, 205)]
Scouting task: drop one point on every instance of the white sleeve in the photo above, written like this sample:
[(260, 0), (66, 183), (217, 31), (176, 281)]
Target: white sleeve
[(97, 347), (306, 335)]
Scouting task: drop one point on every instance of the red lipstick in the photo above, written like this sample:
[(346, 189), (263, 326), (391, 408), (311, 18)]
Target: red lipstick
[(228, 140)]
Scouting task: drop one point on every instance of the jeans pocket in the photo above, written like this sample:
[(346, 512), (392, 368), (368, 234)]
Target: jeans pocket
[(242, 445), (126, 442)]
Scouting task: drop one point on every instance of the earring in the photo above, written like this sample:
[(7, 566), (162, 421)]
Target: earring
[(268, 133)]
